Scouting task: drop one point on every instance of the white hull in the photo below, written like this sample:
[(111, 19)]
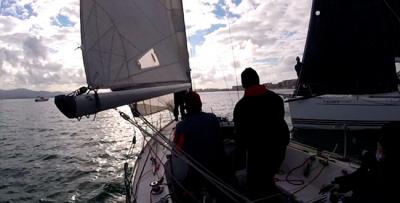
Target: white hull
[(149, 167), (345, 111)]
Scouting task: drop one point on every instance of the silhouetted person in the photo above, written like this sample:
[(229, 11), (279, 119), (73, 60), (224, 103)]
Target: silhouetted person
[(298, 66), (179, 106), (373, 181), (198, 135), (263, 133)]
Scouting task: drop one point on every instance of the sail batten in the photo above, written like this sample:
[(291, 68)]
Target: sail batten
[(129, 43)]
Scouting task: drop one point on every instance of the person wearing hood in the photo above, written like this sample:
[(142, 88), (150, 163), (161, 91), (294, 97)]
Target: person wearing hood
[(262, 133)]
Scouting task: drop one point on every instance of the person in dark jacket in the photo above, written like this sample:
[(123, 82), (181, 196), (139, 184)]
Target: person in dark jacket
[(298, 66), (263, 133), (198, 135), (373, 181)]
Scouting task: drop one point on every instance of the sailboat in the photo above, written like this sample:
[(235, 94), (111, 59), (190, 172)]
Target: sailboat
[(41, 99), (138, 50), (348, 79)]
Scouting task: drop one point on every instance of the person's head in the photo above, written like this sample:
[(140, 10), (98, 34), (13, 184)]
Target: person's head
[(249, 78), (297, 59), (192, 102), (388, 140)]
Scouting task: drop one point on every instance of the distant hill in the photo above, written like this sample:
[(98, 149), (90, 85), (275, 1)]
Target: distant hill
[(25, 93)]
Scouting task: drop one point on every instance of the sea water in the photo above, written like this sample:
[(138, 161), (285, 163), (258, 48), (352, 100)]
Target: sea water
[(46, 157)]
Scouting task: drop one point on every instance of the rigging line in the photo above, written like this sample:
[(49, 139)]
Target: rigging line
[(221, 185), (176, 181), (185, 189), (392, 11), (226, 84), (311, 181), (233, 55)]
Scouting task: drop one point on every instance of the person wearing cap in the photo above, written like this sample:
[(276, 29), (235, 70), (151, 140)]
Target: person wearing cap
[(198, 135), (262, 133), (373, 181)]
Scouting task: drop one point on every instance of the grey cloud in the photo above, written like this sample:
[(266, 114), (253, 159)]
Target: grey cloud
[(27, 69), (8, 56), (46, 74), (34, 48)]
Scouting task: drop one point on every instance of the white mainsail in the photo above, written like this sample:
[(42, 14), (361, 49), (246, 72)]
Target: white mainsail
[(137, 48), (134, 43)]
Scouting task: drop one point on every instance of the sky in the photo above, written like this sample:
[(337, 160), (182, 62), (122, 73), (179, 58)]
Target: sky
[(40, 40)]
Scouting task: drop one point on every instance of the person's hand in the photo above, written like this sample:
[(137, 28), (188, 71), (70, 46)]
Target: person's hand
[(327, 188)]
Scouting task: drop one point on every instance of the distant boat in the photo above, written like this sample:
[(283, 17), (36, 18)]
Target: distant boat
[(41, 99)]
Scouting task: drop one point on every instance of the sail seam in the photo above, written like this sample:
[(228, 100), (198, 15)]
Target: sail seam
[(98, 34), (150, 21)]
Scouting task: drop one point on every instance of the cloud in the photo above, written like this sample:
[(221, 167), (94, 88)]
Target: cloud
[(34, 48), (35, 52), (264, 34)]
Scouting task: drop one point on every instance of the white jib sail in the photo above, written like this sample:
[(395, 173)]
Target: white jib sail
[(128, 44)]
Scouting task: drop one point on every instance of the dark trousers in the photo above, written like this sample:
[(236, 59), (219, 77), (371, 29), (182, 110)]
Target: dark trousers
[(176, 111)]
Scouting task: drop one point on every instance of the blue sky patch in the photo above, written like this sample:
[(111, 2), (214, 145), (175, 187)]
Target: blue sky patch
[(10, 8), (62, 21), (237, 2), (221, 12), (198, 38)]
